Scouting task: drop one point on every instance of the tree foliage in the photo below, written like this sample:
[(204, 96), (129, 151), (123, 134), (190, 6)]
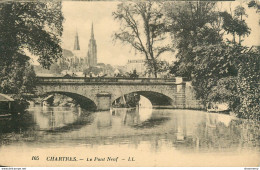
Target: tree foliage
[(229, 73), (142, 28), (33, 26), (220, 70), (212, 63), (21, 79), (191, 24), (249, 84), (235, 25)]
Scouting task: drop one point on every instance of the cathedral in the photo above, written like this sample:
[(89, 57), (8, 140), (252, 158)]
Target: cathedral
[(74, 61), (92, 50)]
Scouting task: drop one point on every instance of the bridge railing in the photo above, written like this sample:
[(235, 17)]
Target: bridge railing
[(103, 80)]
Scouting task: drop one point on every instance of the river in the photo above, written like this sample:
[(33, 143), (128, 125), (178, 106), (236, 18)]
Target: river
[(132, 137)]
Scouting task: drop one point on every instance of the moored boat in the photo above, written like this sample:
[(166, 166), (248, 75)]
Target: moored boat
[(218, 107)]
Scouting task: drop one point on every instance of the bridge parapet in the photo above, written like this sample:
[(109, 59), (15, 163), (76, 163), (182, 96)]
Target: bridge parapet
[(106, 80)]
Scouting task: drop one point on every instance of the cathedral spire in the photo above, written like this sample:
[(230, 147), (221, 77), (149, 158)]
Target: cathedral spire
[(92, 50), (92, 32), (76, 42)]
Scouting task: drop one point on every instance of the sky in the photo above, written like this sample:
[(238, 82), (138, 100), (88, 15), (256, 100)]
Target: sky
[(79, 15)]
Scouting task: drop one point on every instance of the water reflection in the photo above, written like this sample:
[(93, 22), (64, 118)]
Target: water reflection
[(183, 130), (103, 120), (58, 118)]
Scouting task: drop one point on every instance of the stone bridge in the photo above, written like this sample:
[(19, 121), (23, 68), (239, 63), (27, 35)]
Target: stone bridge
[(99, 93)]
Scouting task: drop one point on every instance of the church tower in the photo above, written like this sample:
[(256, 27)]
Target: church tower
[(77, 62), (92, 50), (76, 42)]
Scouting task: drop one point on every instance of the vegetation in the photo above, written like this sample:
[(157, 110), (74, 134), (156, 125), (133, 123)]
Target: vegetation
[(235, 24), (229, 73), (36, 27), (192, 24), (221, 70), (143, 28), (27, 26)]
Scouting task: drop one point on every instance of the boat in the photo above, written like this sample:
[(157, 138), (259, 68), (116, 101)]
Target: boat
[(216, 107)]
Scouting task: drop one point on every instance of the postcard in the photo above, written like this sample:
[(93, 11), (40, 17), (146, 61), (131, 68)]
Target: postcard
[(129, 83)]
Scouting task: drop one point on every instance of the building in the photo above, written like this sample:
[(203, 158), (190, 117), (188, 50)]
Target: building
[(92, 50), (138, 65), (74, 61), (6, 105), (76, 42), (79, 63)]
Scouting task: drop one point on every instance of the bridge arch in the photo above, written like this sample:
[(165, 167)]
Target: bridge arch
[(156, 98), (83, 101)]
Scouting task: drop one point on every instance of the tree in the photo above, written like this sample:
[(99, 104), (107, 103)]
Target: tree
[(235, 24), (214, 65), (229, 73), (248, 84), (33, 26), (191, 24), (142, 28), (226, 91), (36, 26), (221, 71), (21, 79), (55, 68)]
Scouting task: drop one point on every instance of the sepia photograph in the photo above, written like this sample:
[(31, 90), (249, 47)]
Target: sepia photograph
[(141, 83)]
